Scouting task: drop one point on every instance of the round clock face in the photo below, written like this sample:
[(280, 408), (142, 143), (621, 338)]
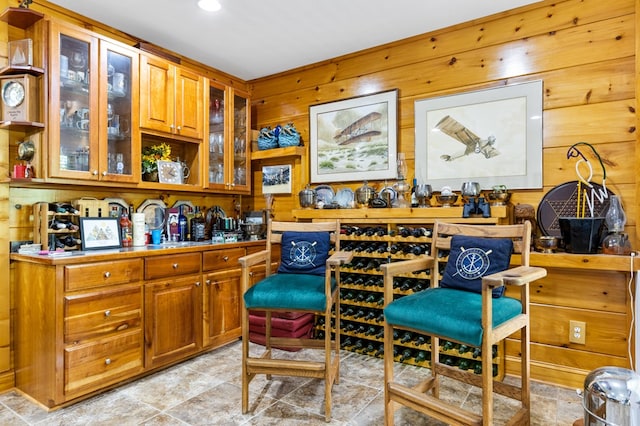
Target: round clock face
[(473, 263), (13, 93), (169, 172)]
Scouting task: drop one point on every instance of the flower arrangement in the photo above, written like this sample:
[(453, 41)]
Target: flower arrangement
[(151, 155)]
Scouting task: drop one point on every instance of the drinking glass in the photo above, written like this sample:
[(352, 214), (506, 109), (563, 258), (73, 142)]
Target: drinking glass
[(423, 193)]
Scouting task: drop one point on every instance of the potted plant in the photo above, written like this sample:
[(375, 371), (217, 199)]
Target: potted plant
[(150, 156)]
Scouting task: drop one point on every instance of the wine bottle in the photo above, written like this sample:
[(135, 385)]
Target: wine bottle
[(360, 313), (406, 355), (422, 356), (394, 248), (379, 351), (380, 333), (182, 225), (346, 343), (370, 315), (404, 231), (369, 349), (414, 197), (420, 340), (407, 337)]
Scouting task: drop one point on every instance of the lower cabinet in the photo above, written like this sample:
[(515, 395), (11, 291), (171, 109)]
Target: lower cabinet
[(86, 323), (172, 319)]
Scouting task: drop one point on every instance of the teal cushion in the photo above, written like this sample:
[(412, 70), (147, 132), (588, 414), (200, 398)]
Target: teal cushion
[(296, 292), (447, 312)]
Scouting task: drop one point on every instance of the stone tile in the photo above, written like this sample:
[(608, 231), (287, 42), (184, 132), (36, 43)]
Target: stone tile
[(283, 414), (163, 419), (8, 417), (24, 408)]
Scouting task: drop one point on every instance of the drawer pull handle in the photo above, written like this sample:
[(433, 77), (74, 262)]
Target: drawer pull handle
[(107, 361), (197, 283), (225, 258), (107, 274), (107, 313), (208, 282), (175, 266)]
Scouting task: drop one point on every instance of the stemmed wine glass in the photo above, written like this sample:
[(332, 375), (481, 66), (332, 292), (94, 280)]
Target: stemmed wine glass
[(423, 193)]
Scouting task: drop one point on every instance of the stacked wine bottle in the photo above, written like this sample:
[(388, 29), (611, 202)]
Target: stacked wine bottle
[(362, 296)]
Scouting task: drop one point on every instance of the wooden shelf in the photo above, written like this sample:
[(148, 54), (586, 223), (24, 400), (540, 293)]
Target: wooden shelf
[(290, 151), (384, 214), (22, 69), (21, 125), (20, 17)]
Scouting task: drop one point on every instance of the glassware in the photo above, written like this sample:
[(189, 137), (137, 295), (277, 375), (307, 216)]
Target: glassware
[(423, 193), (617, 242)]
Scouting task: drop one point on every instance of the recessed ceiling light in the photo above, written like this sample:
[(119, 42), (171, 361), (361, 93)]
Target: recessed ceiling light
[(209, 5)]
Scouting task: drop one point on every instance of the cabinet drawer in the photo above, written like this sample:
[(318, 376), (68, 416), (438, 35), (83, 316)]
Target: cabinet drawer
[(96, 365), (91, 275), (102, 313), (169, 266), (222, 259)]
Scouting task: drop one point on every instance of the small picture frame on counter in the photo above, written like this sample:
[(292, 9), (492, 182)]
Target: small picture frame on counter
[(99, 233)]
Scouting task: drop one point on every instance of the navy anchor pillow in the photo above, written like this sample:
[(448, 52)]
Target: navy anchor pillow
[(471, 258), (304, 252)]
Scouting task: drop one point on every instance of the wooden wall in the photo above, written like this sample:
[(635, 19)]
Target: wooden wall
[(583, 50)]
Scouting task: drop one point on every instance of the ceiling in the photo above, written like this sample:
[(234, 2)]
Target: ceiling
[(255, 38)]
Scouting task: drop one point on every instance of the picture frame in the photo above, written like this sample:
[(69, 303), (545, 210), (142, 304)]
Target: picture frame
[(491, 136), (99, 233), (354, 139), (276, 179)]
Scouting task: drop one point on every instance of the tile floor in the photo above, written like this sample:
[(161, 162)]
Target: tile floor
[(206, 391)]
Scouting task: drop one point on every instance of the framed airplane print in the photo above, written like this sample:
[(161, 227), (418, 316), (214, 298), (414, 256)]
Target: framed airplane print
[(354, 139), (492, 136)]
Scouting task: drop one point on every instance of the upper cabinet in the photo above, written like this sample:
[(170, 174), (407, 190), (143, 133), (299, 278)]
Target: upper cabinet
[(93, 126), (228, 160), (171, 98)]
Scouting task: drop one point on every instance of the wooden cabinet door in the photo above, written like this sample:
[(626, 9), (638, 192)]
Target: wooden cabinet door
[(189, 104), (222, 307), (157, 94), (173, 319)]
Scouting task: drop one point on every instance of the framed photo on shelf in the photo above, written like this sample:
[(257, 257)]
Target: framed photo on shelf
[(354, 139), (492, 136), (99, 233)]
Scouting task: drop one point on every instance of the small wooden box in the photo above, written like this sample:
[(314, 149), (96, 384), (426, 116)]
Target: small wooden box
[(91, 207)]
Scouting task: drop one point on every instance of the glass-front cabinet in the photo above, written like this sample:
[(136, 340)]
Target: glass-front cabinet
[(228, 159), (94, 115)]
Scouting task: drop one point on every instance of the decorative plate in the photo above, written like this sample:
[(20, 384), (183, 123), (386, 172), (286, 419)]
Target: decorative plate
[(561, 201), (325, 194), (187, 203), (345, 198), (154, 213)]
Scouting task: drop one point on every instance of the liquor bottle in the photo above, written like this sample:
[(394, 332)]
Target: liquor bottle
[(197, 226), (414, 198), (182, 225), (126, 229)]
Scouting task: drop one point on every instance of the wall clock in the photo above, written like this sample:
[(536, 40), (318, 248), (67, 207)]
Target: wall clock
[(18, 94), (170, 172)]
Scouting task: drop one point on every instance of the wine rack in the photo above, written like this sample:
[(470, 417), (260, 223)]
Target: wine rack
[(362, 297), (56, 226)]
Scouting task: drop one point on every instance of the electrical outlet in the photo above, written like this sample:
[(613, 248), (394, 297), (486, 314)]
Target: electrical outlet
[(577, 332)]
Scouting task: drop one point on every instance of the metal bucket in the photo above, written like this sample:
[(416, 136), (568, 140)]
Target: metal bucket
[(611, 397)]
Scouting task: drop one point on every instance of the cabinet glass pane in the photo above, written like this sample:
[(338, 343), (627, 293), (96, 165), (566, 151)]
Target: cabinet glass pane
[(239, 140), (75, 96), (216, 135), (118, 113)]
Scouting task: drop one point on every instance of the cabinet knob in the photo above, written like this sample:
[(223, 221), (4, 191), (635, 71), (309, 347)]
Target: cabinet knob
[(197, 283), (171, 127), (175, 266), (208, 282), (107, 313), (225, 258), (95, 173), (179, 128), (107, 274), (107, 361)]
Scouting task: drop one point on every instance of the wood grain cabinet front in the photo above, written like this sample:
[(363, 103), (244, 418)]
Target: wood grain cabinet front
[(103, 338), (89, 275), (173, 265)]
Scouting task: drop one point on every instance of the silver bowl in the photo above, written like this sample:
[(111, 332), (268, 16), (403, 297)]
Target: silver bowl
[(253, 230), (499, 198), (546, 244), (446, 200)]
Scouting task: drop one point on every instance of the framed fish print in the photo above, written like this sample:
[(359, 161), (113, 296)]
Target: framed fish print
[(492, 136), (354, 139)]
